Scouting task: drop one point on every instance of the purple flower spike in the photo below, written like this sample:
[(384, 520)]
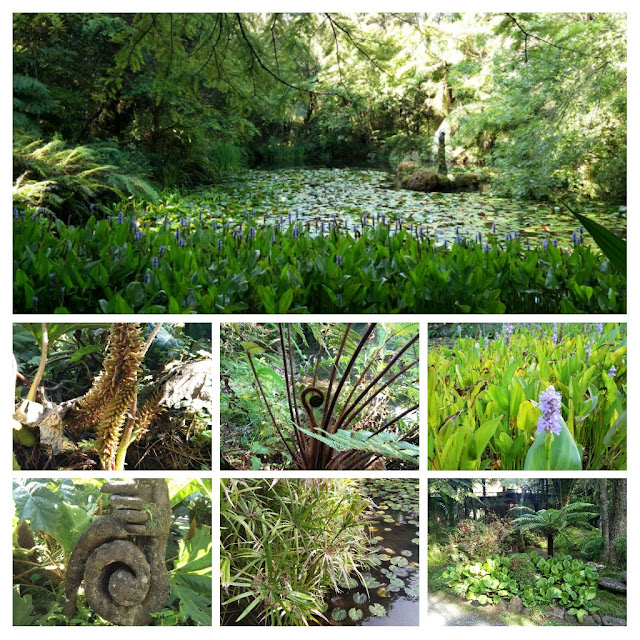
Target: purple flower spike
[(550, 403), (612, 371)]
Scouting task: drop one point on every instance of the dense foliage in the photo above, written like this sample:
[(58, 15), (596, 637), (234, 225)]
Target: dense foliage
[(486, 398), (320, 395), (540, 97), (49, 517), (172, 264), (284, 543), (168, 426), (561, 580)]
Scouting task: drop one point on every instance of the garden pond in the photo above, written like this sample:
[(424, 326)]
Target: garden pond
[(387, 593), (318, 198)]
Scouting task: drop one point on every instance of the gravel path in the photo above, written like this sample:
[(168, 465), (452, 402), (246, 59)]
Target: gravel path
[(443, 612)]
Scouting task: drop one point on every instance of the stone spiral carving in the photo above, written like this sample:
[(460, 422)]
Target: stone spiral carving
[(121, 556)]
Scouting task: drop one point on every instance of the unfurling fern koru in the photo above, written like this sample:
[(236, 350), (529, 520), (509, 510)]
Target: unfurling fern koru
[(121, 556), (321, 444)]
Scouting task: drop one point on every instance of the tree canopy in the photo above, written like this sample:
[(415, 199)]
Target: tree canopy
[(540, 98)]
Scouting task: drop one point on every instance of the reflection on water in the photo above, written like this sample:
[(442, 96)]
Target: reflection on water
[(391, 597)]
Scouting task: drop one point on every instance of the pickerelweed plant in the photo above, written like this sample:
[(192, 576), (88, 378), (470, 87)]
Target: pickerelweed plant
[(351, 411), (175, 259), (530, 401)]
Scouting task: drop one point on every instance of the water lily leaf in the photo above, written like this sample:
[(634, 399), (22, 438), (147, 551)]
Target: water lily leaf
[(359, 598), (348, 583), (338, 614), (355, 614), (406, 553), (377, 610), (399, 561), (370, 582)]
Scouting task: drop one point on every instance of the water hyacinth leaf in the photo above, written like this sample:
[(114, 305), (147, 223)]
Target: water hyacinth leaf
[(564, 454), (618, 432), (338, 614), (377, 610), (355, 614), (359, 598)]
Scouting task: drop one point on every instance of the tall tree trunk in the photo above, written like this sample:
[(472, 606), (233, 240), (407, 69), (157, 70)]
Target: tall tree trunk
[(550, 546), (604, 520), (618, 523)]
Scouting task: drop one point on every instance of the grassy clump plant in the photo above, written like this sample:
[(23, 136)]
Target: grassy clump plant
[(285, 543)]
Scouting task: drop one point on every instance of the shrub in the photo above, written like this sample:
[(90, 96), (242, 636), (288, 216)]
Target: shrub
[(479, 539)]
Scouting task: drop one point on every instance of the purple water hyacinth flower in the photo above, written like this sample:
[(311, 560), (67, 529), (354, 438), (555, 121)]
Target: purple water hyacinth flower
[(459, 329), (458, 239), (528, 246), (339, 260), (599, 328), (281, 220), (120, 217), (147, 278), (486, 341), (354, 228), (486, 248), (91, 207), (588, 351), (252, 232), (370, 261), (554, 336), (154, 262), (612, 371), (545, 244), (296, 232), (289, 216), (507, 330), (445, 244), (139, 235), (479, 237), (35, 299), (161, 251), (581, 230), (550, 404), (411, 227), (182, 244), (322, 227), (555, 242), (178, 236), (297, 213), (574, 238), (34, 216), (16, 213), (214, 226), (507, 237), (220, 243), (273, 239), (493, 227)]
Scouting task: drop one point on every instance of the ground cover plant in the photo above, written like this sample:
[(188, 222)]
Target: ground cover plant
[(320, 396), (105, 395), (51, 514), (528, 396), (527, 571), (318, 534), (319, 162)]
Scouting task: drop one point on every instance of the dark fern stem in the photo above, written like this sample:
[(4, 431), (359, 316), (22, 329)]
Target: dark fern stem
[(338, 412)]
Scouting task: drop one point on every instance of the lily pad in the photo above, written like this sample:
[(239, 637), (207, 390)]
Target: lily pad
[(338, 615), (406, 553), (355, 614), (399, 561), (370, 582), (377, 610), (359, 598), (348, 583)]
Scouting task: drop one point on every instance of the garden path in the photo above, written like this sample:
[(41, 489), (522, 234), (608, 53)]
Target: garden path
[(446, 613)]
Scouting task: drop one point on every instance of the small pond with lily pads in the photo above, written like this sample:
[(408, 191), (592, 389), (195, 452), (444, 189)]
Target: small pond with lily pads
[(387, 593), (319, 199)]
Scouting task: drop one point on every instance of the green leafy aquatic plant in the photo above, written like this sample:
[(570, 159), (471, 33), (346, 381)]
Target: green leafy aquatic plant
[(484, 399), (170, 263)]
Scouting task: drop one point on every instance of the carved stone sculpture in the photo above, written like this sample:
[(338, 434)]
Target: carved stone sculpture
[(121, 556)]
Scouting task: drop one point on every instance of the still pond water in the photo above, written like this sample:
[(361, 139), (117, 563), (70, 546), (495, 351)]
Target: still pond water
[(316, 198)]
